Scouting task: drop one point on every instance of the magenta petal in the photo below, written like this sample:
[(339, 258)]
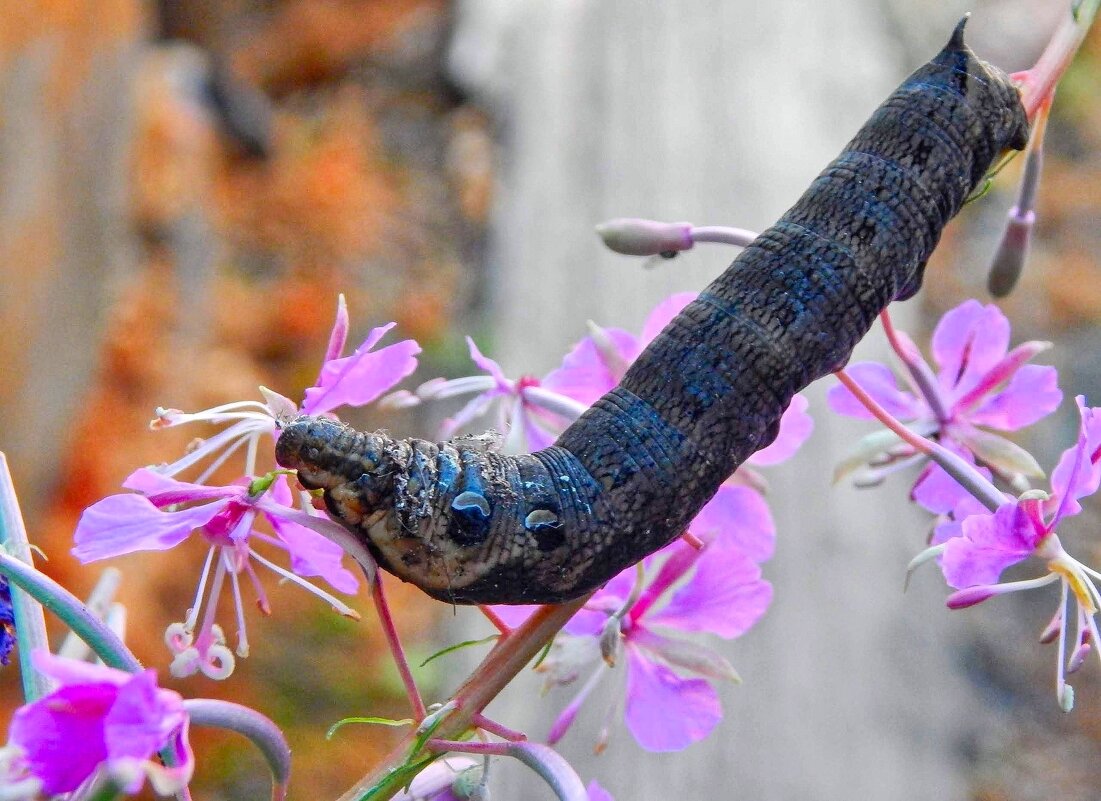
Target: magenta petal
[(488, 365), (738, 516), (725, 596), (590, 620), (69, 671), (795, 429), (123, 524), (312, 554), (358, 379), (1077, 475), (142, 718), (879, 382), (584, 374), (662, 314), (664, 711), (62, 735), (1032, 394), (598, 793), (937, 491), (163, 490), (968, 341), (990, 544)]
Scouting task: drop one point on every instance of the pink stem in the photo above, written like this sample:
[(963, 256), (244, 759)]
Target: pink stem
[(495, 619), (467, 747), (968, 477), (388, 628), (1039, 81), (493, 727)]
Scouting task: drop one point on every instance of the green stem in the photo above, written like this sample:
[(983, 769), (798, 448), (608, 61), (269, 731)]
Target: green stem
[(72, 611), (30, 622), (500, 667)]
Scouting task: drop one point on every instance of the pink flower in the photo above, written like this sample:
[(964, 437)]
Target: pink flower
[(100, 719), (532, 413), (979, 385), (977, 546), (164, 512), (670, 702), (354, 380)]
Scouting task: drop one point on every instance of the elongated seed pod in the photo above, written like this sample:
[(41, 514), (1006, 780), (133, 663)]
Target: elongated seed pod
[(468, 525)]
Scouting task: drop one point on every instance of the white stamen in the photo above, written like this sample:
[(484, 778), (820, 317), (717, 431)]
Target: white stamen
[(341, 607), (193, 612)]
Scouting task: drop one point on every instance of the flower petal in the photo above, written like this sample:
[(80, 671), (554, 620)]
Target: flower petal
[(878, 381), (795, 428), (725, 596), (662, 315), (988, 545), (738, 516), (1077, 474), (936, 490), (488, 365), (1032, 394), (664, 711), (61, 735), (122, 524), (164, 490), (358, 379), (584, 374), (968, 341), (142, 718)]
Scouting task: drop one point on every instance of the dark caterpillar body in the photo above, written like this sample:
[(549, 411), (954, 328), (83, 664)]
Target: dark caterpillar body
[(468, 525)]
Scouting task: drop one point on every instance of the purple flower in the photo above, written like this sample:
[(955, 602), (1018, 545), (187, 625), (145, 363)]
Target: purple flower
[(99, 719), (7, 622), (670, 702), (354, 380), (531, 412), (164, 512), (975, 547), (979, 385)]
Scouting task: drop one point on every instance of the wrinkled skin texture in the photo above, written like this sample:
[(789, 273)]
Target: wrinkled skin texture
[(468, 525)]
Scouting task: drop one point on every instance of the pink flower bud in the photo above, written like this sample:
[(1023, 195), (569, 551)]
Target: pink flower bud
[(636, 237), (969, 597)]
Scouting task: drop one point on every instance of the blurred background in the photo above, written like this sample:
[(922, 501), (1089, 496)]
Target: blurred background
[(186, 186)]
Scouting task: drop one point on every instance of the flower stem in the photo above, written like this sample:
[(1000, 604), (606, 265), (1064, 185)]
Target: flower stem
[(495, 619), (263, 733), (917, 368), (500, 666), (30, 623), (391, 632), (72, 611), (968, 477), (1040, 80)]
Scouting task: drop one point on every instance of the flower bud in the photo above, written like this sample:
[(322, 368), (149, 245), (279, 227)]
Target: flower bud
[(969, 597), (1009, 260), (636, 237)]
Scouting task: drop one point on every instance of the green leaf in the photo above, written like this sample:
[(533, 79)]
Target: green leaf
[(458, 646), (371, 720), (1001, 454)]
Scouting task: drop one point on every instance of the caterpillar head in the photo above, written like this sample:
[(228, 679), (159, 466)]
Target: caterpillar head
[(989, 91)]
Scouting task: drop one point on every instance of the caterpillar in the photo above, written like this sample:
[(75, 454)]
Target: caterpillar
[(469, 525)]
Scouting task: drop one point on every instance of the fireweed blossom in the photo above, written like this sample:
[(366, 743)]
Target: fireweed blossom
[(99, 721), (980, 386), (354, 380), (162, 512), (974, 549), (669, 702), (532, 412), (165, 511)]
